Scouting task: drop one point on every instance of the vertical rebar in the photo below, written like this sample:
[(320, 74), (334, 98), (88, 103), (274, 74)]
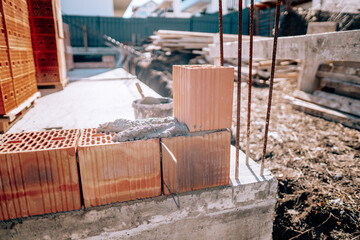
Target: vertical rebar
[(238, 90), (221, 34), (250, 81), (277, 20)]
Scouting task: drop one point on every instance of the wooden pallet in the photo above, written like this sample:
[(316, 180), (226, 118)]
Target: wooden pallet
[(8, 120), (58, 86)]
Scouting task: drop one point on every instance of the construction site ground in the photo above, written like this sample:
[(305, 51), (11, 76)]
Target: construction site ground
[(317, 164)]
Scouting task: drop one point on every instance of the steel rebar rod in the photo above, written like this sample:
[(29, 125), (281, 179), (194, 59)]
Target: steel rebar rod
[(238, 106), (277, 20), (250, 81), (221, 34)]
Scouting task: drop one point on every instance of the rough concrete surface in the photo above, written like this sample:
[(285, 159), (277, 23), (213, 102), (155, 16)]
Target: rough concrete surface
[(128, 130), (244, 210)]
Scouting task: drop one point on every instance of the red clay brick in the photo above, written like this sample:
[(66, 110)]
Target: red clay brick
[(117, 172), (7, 96), (203, 96), (39, 174), (203, 161), (5, 71)]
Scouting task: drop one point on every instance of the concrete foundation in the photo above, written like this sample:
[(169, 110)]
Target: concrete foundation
[(244, 210)]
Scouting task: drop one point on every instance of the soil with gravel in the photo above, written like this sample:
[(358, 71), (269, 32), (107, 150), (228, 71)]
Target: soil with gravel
[(317, 164)]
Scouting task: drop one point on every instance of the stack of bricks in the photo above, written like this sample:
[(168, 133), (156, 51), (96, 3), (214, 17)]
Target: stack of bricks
[(48, 42), (203, 96), (17, 69), (38, 173)]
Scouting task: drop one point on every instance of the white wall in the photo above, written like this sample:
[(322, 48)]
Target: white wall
[(349, 6), (88, 7)]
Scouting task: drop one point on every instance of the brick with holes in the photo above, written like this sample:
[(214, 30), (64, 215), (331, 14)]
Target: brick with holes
[(203, 96), (39, 173), (203, 161), (117, 172)]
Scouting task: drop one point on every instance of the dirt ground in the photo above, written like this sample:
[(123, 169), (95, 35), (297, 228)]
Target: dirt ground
[(317, 164)]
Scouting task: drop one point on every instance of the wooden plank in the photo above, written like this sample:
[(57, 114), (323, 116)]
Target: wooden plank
[(347, 63), (341, 87), (286, 74), (339, 76), (323, 112), (343, 104)]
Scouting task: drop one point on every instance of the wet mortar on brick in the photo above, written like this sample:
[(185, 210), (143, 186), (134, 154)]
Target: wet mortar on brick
[(127, 130)]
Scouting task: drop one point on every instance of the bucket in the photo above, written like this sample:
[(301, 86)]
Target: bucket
[(164, 109)]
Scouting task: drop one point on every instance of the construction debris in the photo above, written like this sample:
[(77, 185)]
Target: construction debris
[(288, 69), (339, 97)]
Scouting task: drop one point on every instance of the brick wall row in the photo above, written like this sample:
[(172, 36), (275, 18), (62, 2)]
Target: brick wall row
[(45, 172)]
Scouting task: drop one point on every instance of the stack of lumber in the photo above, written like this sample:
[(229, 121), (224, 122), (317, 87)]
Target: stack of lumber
[(48, 43), (288, 69), (17, 70), (339, 96), (183, 40)]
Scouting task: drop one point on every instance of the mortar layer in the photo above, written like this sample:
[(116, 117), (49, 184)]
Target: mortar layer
[(128, 130)]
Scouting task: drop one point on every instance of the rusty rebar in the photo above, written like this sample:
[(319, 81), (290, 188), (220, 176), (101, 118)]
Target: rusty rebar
[(250, 81), (221, 34), (277, 20), (238, 90)]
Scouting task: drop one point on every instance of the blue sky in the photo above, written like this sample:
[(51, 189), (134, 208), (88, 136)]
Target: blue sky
[(128, 11)]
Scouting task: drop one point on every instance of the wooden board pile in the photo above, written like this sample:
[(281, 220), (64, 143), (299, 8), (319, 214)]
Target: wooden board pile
[(182, 40), (287, 69), (339, 96)]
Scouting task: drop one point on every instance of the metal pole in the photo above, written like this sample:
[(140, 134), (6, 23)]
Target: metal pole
[(238, 90), (221, 34), (250, 81), (85, 38), (271, 85)]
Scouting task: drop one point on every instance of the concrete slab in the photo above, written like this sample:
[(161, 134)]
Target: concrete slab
[(312, 49), (98, 97), (244, 210), (99, 74)]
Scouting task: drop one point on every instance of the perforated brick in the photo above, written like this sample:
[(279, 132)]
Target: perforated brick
[(203, 161), (39, 173), (41, 8), (7, 96), (5, 71), (47, 75), (203, 96), (117, 172)]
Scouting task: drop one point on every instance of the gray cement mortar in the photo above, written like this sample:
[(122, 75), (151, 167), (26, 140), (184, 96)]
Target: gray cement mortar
[(128, 130)]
